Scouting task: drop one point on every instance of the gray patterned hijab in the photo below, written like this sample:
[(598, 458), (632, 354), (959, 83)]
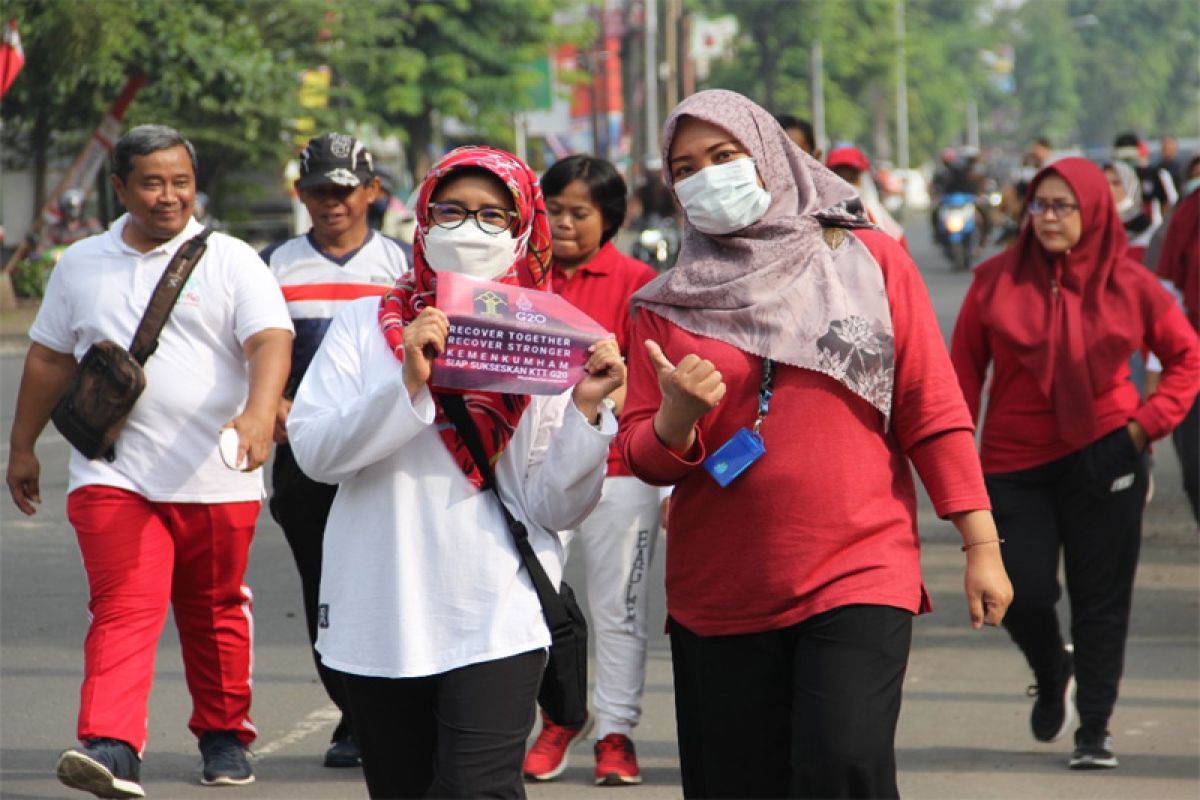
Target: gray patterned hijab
[(778, 288)]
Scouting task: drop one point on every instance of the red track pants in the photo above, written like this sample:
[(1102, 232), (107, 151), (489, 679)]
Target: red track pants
[(139, 555)]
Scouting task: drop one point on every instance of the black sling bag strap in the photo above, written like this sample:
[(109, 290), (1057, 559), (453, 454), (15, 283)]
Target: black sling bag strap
[(166, 294), (552, 606), (109, 379), (563, 693)]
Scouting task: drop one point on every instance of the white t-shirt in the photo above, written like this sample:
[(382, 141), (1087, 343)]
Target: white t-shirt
[(197, 379), (419, 572)]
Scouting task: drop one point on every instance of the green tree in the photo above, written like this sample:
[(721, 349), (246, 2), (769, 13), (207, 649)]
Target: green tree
[(772, 64), (1137, 68), (74, 66), (222, 71), (1046, 54), (407, 65)]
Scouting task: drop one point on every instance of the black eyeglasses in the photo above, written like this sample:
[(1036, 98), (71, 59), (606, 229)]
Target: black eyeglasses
[(1061, 208), (489, 219)]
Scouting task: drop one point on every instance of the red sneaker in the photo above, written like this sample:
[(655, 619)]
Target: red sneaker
[(547, 758), (616, 761)]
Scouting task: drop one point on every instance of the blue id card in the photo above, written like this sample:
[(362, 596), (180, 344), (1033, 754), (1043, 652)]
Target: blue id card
[(732, 458)]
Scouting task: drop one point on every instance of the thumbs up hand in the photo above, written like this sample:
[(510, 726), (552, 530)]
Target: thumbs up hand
[(689, 391)]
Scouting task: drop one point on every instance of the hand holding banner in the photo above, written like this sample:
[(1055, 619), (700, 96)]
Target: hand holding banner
[(511, 339)]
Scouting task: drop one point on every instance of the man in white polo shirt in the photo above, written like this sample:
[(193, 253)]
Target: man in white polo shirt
[(165, 521)]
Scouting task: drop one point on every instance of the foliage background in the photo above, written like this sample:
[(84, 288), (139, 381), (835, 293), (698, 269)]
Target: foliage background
[(226, 72)]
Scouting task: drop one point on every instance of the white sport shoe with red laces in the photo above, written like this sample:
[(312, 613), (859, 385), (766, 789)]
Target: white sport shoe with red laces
[(616, 761), (547, 758)]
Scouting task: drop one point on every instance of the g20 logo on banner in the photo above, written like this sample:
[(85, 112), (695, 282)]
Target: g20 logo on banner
[(527, 312)]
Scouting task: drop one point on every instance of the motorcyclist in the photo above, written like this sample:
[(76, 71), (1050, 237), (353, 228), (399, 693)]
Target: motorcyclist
[(655, 215), (71, 224), (654, 198), (960, 175)]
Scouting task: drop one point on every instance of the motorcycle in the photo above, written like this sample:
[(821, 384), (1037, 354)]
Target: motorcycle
[(656, 241), (958, 230)]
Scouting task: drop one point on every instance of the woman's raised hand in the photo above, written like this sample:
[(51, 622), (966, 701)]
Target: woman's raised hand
[(604, 373), (424, 340), (689, 391)]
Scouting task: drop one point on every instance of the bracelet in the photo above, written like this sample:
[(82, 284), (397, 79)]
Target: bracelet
[(967, 547)]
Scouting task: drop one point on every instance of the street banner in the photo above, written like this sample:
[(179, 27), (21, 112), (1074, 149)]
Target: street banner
[(510, 339)]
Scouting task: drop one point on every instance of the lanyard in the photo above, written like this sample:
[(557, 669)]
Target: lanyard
[(764, 393)]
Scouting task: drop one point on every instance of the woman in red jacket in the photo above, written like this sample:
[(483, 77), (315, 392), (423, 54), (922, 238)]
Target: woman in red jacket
[(783, 375), (1057, 316)]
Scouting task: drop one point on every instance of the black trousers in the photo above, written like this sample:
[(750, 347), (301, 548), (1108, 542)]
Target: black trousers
[(301, 506), (458, 734), (1088, 506), (805, 711), (1187, 447)]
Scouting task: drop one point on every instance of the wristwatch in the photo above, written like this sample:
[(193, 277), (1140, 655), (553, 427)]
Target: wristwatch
[(610, 404)]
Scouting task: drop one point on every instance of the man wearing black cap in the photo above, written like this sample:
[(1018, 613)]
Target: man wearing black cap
[(338, 260)]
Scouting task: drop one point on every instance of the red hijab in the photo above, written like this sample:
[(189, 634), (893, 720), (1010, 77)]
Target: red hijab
[(1073, 318), (1179, 261), (495, 415)]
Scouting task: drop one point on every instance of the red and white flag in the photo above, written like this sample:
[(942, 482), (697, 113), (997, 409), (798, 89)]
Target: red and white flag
[(12, 57)]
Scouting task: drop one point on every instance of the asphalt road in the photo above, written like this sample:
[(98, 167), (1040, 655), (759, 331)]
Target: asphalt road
[(963, 730)]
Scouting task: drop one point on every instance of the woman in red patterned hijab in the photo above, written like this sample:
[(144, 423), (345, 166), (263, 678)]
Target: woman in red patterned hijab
[(428, 615), (496, 415)]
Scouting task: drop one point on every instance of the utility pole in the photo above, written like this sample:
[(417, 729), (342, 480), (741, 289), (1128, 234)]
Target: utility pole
[(973, 123), (671, 54), (901, 90), (818, 96), (652, 77)]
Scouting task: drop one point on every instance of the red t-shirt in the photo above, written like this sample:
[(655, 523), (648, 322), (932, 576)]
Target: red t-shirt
[(601, 288), (1019, 429), (827, 517)]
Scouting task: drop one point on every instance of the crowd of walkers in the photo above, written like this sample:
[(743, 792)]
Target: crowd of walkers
[(778, 382)]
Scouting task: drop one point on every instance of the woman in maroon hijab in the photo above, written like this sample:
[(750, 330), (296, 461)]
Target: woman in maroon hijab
[(1057, 316)]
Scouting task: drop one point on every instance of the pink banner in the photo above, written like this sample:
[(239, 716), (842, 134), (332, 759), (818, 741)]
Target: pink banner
[(509, 339)]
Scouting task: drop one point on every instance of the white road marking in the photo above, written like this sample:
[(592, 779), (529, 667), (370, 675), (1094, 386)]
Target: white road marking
[(321, 718)]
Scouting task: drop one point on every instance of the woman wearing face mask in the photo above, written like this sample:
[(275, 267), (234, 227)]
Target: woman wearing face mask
[(1127, 194), (425, 609), (1057, 316), (793, 574)]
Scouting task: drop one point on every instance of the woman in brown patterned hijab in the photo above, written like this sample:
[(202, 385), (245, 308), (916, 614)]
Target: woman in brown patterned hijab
[(782, 377)]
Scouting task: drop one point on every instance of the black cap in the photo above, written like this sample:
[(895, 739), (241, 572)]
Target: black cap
[(1128, 139), (335, 158)]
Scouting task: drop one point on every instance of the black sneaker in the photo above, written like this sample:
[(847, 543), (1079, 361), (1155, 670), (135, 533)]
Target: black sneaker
[(1093, 750), (343, 751), (1054, 710), (225, 761), (104, 767)]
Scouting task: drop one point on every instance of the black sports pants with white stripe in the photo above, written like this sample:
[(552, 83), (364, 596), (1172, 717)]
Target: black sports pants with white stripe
[(1088, 507)]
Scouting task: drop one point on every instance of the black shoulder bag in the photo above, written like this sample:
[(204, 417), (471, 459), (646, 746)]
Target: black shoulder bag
[(563, 694), (109, 378)]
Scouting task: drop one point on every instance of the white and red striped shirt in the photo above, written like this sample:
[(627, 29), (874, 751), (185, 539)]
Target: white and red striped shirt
[(316, 285)]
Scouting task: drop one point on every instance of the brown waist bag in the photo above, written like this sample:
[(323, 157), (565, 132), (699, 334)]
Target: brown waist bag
[(109, 378)]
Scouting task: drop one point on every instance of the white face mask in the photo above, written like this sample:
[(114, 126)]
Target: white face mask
[(469, 251), (723, 198)]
